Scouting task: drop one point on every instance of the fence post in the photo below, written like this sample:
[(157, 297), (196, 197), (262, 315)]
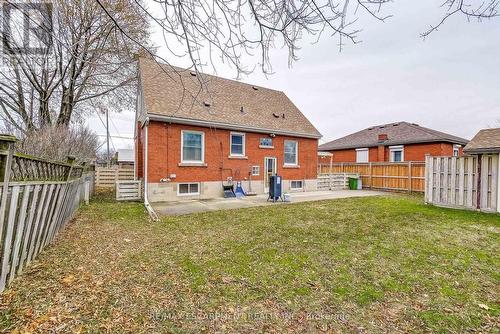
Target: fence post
[(409, 176), (371, 173), (7, 151), (71, 161), (478, 187)]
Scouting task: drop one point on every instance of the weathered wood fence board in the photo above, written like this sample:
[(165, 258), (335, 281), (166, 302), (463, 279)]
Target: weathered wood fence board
[(397, 176), (128, 190), (469, 182), (335, 181), (107, 177), (37, 200)]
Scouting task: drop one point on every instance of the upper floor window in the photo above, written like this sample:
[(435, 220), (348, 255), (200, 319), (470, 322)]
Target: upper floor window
[(266, 142), (192, 146), (456, 150), (291, 152), (237, 143), (361, 155), (396, 153)]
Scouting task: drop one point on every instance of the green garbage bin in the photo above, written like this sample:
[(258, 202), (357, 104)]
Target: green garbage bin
[(353, 183)]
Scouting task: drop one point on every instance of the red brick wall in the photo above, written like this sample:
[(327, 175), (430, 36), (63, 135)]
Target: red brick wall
[(139, 151), (350, 155), (412, 152), (417, 152), (164, 151)]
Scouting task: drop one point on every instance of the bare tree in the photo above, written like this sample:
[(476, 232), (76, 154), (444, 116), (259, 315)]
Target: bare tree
[(77, 140), (88, 61), (231, 30), (471, 9)]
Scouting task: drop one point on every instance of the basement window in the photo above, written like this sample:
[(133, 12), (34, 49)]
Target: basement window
[(255, 170), (296, 185), (186, 189)]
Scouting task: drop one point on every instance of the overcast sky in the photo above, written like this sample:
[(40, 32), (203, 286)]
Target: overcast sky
[(448, 82)]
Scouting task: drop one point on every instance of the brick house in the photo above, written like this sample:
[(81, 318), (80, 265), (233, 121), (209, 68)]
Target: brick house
[(191, 138), (394, 142)]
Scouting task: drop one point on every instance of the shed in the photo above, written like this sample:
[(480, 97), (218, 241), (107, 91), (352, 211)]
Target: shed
[(487, 143), (125, 157)]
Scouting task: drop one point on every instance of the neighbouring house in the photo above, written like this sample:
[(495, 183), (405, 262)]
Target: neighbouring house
[(393, 142), (192, 139), (125, 158), (486, 141)]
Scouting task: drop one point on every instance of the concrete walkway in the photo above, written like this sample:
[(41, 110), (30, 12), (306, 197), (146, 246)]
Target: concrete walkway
[(193, 206)]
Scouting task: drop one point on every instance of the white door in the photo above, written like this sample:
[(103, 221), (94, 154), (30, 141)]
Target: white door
[(270, 168)]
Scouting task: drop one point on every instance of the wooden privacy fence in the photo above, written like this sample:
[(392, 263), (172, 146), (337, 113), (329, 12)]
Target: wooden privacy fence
[(107, 177), (470, 182), (37, 200), (396, 176), (334, 181)]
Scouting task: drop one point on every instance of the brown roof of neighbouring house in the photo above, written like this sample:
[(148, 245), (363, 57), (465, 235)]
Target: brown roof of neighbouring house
[(398, 133), (486, 140), (176, 95)]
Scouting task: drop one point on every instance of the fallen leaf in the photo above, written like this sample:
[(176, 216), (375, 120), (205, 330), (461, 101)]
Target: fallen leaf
[(483, 306), (68, 279)]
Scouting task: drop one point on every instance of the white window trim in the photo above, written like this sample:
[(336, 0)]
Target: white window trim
[(301, 183), (296, 163), (202, 147), (457, 148), (231, 154), (364, 149), (258, 169), (188, 194), (396, 148)]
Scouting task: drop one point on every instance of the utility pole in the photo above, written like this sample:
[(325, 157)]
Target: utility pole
[(107, 136)]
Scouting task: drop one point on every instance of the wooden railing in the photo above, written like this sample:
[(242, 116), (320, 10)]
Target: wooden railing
[(395, 176), (38, 198), (337, 181)]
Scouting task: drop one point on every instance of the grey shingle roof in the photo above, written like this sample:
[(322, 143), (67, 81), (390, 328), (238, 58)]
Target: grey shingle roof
[(175, 92), (486, 140), (398, 133)]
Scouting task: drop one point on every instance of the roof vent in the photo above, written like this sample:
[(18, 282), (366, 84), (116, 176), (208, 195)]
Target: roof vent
[(255, 88), (381, 127), (193, 74), (395, 124), (383, 137), (370, 128), (276, 115), (242, 110), (415, 124), (283, 115), (206, 104)]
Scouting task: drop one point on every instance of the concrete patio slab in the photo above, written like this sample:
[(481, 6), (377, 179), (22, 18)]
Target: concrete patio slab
[(194, 206)]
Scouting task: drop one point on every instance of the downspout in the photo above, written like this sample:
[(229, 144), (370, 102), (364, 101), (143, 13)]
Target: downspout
[(148, 206)]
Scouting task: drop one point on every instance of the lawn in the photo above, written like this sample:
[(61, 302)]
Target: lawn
[(361, 265)]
